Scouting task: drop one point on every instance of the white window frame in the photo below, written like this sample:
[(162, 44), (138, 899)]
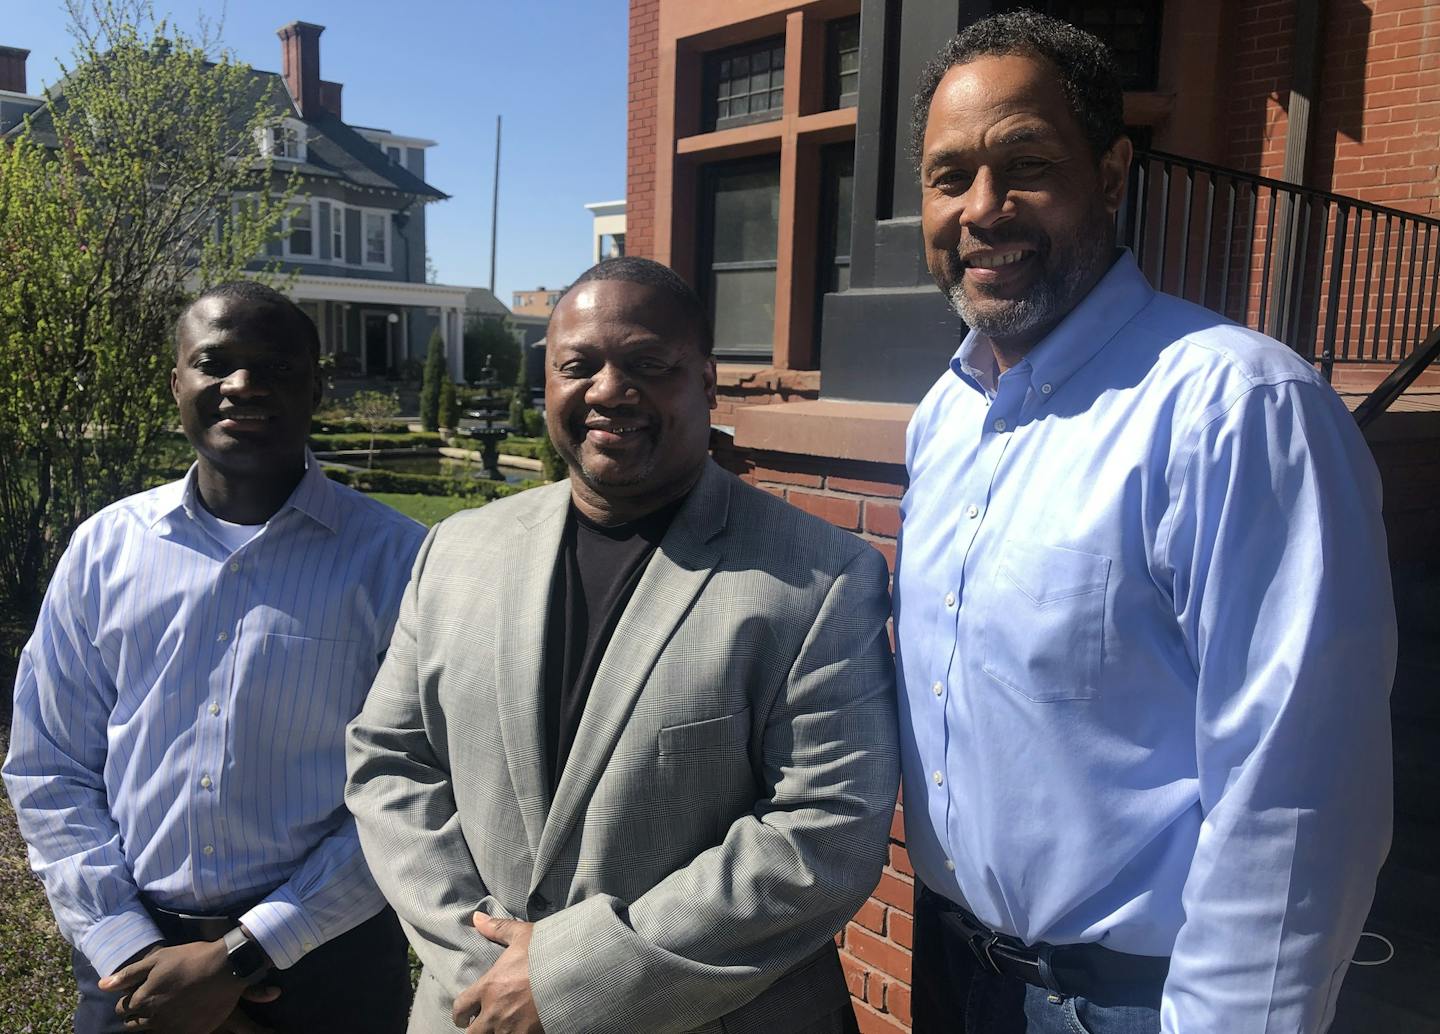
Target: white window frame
[(313, 254), (337, 233), (384, 216), (272, 134)]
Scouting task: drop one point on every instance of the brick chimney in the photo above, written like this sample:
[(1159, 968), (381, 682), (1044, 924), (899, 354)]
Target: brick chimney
[(12, 69), (300, 64)]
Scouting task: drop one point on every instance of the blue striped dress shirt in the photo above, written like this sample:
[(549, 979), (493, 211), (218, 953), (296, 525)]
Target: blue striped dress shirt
[(180, 717), (1145, 636)]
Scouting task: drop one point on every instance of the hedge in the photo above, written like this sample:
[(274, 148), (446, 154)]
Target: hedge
[(341, 442), (421, 484), (345, 426)]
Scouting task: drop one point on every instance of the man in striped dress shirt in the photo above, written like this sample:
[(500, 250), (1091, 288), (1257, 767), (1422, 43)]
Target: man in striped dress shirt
[(177, 760)]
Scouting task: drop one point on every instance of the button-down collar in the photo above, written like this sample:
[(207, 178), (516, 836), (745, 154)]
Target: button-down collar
[(314, 496)]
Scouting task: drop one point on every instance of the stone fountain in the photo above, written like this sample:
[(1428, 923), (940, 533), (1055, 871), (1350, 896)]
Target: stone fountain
[(485, 409)]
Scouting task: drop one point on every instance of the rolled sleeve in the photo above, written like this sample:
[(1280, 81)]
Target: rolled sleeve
[(117, 938)]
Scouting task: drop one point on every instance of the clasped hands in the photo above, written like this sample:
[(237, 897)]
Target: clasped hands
[(185, 989), (501, 1001)]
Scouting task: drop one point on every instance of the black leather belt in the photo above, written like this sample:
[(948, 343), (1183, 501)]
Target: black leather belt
[(1088, 971), (185, 927)]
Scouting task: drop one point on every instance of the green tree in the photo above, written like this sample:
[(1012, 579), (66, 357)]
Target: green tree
[(520, 400), (449, 412), (115, 203), (490, 336), (430, 383), (377, 411)]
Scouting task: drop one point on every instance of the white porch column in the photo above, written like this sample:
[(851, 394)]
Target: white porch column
[(454, 344)]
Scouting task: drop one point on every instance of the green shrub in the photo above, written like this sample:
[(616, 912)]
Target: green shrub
[(550, 461), (421, 484), (534, 423), (348, 425), (430, 385), (339, 442), (449, 412)]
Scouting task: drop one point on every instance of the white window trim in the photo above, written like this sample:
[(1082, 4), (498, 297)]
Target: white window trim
[(365, 214), (267, 140), (337, 230), (313, 255)]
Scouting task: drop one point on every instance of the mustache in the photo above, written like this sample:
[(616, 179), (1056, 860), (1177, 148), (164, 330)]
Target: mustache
[(982, 240)]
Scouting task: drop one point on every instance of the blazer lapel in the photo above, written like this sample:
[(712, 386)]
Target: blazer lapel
[(676, 573), (523, 596)]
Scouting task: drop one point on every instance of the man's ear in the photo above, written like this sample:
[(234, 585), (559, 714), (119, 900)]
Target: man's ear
[(1115, 172), (710, 380), (175, 384)]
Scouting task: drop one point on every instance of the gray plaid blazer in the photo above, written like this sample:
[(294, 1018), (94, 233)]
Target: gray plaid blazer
[(726, 805)]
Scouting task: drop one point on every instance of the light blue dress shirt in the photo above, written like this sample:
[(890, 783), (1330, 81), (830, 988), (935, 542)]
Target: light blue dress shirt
[(180, 717), (1146, 637)]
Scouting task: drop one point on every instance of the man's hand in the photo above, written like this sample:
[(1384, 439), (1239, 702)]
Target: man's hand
[(500, 1002), (185, 989)]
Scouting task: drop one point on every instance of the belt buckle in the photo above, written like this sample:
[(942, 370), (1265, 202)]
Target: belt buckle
[(982, 947)]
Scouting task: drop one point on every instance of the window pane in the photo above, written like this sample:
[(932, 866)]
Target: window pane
[(741, 66), (744, 309), (374, 238), (777, 100), (760, 61), (747, 215)]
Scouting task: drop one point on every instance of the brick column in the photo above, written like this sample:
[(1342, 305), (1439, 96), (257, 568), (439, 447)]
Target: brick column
[(640, 144)]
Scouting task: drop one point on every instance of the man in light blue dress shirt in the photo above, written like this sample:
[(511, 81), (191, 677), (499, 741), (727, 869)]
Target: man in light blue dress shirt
[(1144, 623), (177, 751)]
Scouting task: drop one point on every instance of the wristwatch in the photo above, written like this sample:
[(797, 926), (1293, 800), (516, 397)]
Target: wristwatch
[(247, 959)]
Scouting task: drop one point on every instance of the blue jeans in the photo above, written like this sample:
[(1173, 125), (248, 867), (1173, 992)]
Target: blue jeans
[(1048, 1014)]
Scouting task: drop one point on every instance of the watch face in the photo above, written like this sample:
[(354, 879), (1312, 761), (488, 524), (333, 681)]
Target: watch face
[(246, 959)]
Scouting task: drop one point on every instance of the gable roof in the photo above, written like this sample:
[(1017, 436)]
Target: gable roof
[(333, 150)]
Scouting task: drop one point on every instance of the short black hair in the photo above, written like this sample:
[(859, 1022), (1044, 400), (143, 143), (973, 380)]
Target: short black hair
[(1088, 73), (259, 294), (635, 270)]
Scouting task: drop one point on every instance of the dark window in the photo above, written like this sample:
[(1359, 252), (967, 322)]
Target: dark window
[(1131, 29), (745, 84), (837, 191), (842, 63), (739, 244)]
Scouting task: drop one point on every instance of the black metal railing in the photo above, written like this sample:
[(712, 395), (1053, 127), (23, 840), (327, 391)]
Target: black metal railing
[(1337, 279)]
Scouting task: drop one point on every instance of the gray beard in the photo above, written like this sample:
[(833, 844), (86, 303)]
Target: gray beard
[(1049, 300)]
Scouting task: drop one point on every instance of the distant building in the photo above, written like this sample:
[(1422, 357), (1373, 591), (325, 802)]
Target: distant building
[(539, 302), (356, 244), (608, 230)]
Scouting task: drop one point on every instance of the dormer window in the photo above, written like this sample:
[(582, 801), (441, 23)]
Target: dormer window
[(284, 141)]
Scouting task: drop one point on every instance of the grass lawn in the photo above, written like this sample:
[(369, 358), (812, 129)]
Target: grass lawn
[(39, 992), (427, 509)]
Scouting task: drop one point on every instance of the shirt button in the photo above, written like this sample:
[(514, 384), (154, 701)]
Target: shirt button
[(205, 782), (214, 708), (939, 778), (234, 567), (1000, 425), (939, 688), (1046, 389), (223, 636), (949, 599), (972, 511), (308, 945), (949, 865), (209, 849)]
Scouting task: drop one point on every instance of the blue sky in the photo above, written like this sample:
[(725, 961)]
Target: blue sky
[(442, 70)]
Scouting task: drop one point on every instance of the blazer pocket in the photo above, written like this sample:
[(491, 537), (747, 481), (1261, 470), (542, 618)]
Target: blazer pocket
[(696, 741), (1045, 621)]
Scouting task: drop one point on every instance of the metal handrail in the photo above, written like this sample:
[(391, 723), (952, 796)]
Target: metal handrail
[(1393, 386), (1338, 279)]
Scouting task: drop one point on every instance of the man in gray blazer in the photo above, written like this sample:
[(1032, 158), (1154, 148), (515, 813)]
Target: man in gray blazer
[(639, 726)]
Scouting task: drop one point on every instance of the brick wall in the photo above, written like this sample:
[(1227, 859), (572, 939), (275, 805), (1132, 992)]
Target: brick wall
[(640, 144), (863, 498)]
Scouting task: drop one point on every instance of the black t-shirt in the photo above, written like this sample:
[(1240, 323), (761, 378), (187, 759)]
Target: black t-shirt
[(597, 572)]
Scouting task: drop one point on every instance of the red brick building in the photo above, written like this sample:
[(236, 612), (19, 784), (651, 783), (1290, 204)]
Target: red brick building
[(766, 164)]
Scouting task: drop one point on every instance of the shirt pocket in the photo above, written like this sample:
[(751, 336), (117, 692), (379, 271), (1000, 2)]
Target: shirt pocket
[(316, 685), (1045, 621)]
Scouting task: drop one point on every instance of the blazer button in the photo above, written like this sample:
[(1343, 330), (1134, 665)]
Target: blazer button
[(538, 903)]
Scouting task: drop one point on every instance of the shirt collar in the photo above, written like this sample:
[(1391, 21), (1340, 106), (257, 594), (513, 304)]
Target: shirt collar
[(1113, 302), (314, 496)]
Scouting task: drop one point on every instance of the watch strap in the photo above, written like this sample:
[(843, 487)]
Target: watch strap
[(246, 957)]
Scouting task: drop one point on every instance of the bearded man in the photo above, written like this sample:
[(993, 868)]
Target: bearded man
[(1144, 626)]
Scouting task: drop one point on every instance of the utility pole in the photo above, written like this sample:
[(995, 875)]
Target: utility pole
[(495, 205)]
